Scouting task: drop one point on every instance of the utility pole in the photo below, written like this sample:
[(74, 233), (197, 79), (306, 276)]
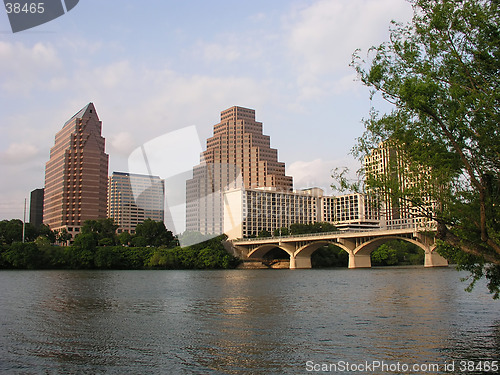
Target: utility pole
[(24, 219)]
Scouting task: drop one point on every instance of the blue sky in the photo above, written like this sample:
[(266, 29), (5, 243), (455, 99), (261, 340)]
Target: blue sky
[(155, 67)]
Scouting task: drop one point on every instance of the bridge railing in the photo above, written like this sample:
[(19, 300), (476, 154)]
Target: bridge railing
[(413, 223), (304, 235)]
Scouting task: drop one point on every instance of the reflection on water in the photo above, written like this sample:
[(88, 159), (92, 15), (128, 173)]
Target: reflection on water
[(240, 321)]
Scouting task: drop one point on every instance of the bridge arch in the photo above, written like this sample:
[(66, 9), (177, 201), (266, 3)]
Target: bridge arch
[(302, 256), (368, 247), (361, 254), (307, 250), (262, 250)]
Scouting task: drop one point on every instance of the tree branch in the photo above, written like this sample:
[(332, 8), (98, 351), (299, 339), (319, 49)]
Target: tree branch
[(467, 246)]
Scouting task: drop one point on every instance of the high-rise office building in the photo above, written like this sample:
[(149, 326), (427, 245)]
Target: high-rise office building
[(400, 183), (133, 198), (76, 175), (36, 207), (238, 155), (239, 140)]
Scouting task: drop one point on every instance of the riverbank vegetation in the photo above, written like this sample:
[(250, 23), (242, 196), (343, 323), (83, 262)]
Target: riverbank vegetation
[(154, 247), (99, 247)]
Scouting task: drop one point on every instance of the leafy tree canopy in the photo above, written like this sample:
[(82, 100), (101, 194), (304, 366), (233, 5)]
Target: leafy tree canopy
[(12, 231), (319, 227), (101, 229), (154, 233), (441, 73)]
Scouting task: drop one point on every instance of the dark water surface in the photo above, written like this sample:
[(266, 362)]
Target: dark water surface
[(243, 321)]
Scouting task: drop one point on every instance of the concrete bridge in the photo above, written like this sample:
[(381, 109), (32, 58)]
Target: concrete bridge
[(359, 244)]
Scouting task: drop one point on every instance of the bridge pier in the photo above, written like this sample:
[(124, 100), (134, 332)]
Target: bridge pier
[(360, 261), (300, 262), (433, 259)]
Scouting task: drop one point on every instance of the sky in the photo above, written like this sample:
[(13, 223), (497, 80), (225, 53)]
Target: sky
[(161, 66)]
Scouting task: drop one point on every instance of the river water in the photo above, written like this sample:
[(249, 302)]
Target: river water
[(245, 322)]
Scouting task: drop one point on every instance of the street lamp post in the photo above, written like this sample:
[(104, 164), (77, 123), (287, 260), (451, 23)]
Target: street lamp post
[(24, 220)]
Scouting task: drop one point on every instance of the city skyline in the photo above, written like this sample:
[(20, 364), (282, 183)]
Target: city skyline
[(288, 60)]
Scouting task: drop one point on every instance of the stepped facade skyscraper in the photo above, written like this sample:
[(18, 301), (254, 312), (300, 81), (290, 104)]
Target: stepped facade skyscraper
[(238, 155), (76, 175)]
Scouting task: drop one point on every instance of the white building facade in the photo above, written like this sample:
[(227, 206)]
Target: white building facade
[(248, 212)]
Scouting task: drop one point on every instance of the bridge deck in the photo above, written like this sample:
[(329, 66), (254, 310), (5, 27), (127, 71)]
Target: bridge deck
[(332, 235)]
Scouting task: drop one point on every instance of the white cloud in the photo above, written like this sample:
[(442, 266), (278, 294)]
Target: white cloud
[(13, 55), (23, 67), (323, 36), (114, 75), (122, 143), (213, 52), (19, 153), (318, 172), (258, 17), (230, 50)]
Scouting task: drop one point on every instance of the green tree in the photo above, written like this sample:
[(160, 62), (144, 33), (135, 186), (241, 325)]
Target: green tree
[(24, 255), (103, 230), (109, 257), (283, 231), (322, 227), (44, 230), (124, 238), (12, 231), (329, 256), (384, 256), (319, 227), (155, 233), (53, 256), (139, 241), (63, 236), (298, 228), (441, 73), (264, 234), (86, 241)]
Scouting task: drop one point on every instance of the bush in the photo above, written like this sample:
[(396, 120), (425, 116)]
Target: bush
[(23, 256)]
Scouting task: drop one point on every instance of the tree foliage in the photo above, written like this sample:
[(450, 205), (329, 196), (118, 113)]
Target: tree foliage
[(153, 246), (154, 233), (319, 227), (329, 256), (12, 231), (103, 231), (397, 252), (441, 73)]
